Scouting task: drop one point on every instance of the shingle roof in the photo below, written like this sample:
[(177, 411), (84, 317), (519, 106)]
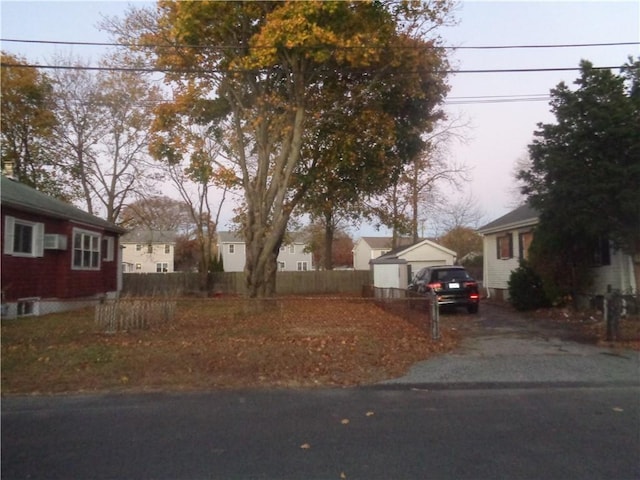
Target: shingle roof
[(385, 242), (523, 215), (149, 236), (21, 197)]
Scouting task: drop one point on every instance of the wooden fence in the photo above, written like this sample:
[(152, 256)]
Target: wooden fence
[(287, 283)]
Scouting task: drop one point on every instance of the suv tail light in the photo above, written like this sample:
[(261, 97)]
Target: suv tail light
[(435, 285)]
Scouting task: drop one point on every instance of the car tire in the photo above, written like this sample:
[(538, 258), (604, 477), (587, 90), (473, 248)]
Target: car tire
[(473, 308)]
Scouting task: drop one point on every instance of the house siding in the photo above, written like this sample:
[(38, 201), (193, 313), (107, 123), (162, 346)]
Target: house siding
[(148, 261), (619, 275), (498, 270), (52, 275), (235, 262)]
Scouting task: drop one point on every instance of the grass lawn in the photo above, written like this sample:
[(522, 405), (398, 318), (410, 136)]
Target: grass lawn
[(216, 343)]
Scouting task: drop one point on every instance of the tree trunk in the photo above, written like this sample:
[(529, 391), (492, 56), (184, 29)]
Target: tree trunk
[(328, 240)]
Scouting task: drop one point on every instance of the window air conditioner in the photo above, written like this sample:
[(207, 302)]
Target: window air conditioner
[(54, 241)]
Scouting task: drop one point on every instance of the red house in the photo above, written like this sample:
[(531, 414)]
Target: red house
[(55, 257)]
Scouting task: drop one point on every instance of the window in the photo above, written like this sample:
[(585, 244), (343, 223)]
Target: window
[(86, 250), (281, 266), (292, 249), (107, 249), (303, 266), (149, 248), (505, 246), (232, 248), (601, 252), (162, 267), (524, 241), (138, 248), (23, 238), (138, 266), (167, 249)]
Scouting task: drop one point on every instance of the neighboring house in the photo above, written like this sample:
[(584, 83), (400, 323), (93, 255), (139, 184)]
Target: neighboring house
[(396, 267), (507, 239), (368, 248), (293, 256), (148, 251), (55, 257)]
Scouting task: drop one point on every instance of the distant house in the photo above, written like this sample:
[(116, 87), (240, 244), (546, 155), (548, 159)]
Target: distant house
[(293, 256), (148, 251), (55, 257), (368, 248), (396, 267), (507, 239)]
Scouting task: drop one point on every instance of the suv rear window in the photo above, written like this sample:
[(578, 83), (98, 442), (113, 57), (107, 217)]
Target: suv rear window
[(449, 275)]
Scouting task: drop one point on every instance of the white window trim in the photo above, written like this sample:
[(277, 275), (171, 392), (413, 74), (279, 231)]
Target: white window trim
[(109, 254), (37, 240), (164, 267), (73, 249), (232, 249), (303, 266)]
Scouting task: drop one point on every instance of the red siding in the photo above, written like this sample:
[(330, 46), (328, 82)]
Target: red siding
[(51, 276)]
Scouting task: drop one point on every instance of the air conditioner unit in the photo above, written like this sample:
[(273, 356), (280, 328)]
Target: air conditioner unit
[(54, 241)]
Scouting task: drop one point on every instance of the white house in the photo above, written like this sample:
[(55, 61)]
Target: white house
[(293, 256), (368, 248), (396, 267), (148, 251), (507, 239)]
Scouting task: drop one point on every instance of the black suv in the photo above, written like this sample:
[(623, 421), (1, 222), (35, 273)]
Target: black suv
[(453, 286)]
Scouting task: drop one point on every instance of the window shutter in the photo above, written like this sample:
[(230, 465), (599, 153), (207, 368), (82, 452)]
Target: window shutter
[(9, 225), (498, 247), (38, 240)]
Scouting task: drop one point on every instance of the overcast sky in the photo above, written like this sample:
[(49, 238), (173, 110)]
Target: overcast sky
[(500, 128)]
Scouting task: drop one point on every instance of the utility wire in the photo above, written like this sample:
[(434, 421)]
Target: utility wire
[(210, 71), (231, 47)]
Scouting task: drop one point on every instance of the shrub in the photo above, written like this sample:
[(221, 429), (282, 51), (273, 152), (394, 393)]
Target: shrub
[(526, 291)]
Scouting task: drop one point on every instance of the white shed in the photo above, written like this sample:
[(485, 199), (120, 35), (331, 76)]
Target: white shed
[(390, 273)]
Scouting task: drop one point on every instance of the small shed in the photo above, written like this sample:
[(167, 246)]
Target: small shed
[(390, 272)]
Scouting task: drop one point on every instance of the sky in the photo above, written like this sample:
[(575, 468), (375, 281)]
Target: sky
[(497, 131)]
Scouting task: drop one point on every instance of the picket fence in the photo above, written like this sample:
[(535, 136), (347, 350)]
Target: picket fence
[(233, 283)]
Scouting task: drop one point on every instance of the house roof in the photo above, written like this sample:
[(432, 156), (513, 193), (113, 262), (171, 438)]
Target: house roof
[(397, 252), (22, 197), (380, 243), (149, 236), (523, 216)]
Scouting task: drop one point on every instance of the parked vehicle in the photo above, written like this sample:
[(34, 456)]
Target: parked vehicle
[(452, 285)]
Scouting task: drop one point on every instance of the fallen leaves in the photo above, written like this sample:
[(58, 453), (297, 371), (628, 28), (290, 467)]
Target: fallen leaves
[(218, 343)]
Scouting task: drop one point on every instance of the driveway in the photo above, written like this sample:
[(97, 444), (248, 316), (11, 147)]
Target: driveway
[(502, 347)]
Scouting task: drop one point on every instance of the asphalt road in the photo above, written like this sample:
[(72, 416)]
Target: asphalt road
[(447, 419)]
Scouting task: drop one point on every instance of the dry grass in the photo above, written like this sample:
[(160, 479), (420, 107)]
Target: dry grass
[(216, 343)]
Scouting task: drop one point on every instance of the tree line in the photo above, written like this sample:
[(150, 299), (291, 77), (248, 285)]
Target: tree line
[(324, 111)]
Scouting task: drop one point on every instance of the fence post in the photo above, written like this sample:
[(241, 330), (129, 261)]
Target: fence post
[(613, 310), (435, 315)]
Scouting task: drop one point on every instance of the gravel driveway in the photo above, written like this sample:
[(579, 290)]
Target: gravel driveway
[(503, 348)]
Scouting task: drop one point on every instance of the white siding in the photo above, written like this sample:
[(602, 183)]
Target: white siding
[(148, 261), (498, 270)]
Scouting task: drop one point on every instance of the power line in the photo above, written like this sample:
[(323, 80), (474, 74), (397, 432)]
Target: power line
[(214, 70), (231, 47)]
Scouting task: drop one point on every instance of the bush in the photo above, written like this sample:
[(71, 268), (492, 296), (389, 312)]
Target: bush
[(526, 291)]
